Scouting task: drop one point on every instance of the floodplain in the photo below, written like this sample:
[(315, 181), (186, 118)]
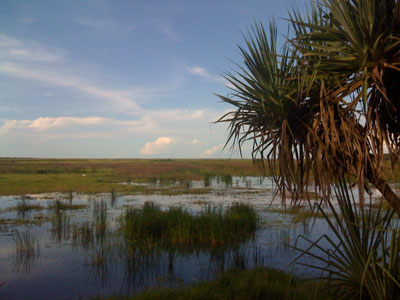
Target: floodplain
[(80, 229)]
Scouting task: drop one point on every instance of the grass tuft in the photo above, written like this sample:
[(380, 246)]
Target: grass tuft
[(177, 227)]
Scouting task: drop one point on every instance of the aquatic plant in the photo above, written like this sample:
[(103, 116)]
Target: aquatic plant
[(58, 205), (83, 235), (23, 206), (177, 227), (26, 249), (100, 218), (60, 226)]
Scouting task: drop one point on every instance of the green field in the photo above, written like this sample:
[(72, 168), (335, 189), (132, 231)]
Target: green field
[(31, 176)]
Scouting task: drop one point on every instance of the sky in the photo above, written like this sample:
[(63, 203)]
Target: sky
[(122, 78)]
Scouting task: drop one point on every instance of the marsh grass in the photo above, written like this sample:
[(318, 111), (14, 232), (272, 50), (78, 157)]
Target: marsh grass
[(23, 206), (60, 226), (83, 235), (256, 284), (100, 218), (91, 233), (58, 205), (177, 227), (26, 247), (22, 176)]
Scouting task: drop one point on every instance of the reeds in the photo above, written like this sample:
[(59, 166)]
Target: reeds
[(58, 206), (177, 227), (23, 206), (26, 248)]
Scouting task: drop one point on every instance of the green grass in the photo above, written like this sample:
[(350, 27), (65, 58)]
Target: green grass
[(177, 227), (257, 284), (30, 176)]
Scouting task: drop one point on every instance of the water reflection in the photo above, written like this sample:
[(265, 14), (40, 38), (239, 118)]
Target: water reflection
[(82, 249), (60, 226), (26, 251), (211, 181)]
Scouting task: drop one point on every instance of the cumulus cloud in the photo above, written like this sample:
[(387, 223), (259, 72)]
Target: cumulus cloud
[(213, 149), (157, 146), (176, 122), (49, 124), (31, 61)]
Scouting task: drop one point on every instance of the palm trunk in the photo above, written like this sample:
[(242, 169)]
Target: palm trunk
[(385, 189)]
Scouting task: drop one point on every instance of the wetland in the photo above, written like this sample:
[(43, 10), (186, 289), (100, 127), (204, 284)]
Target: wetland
[(124, 227)]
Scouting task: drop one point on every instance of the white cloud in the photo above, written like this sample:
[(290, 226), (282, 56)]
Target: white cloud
[(120, 97), (46, 123), (194, 142), (176, 122), (200, 71), (185, 126), (213, 150), (61, 125), (13, 49), (157, 146)]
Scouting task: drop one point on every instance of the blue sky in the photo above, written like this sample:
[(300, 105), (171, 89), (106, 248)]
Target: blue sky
[(114, 78)]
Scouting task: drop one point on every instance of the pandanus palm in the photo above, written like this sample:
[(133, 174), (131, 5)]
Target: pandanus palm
[(269, 107), (329, 103)]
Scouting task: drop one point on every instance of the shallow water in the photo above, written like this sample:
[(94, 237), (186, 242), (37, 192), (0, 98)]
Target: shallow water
[(63, 265)]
